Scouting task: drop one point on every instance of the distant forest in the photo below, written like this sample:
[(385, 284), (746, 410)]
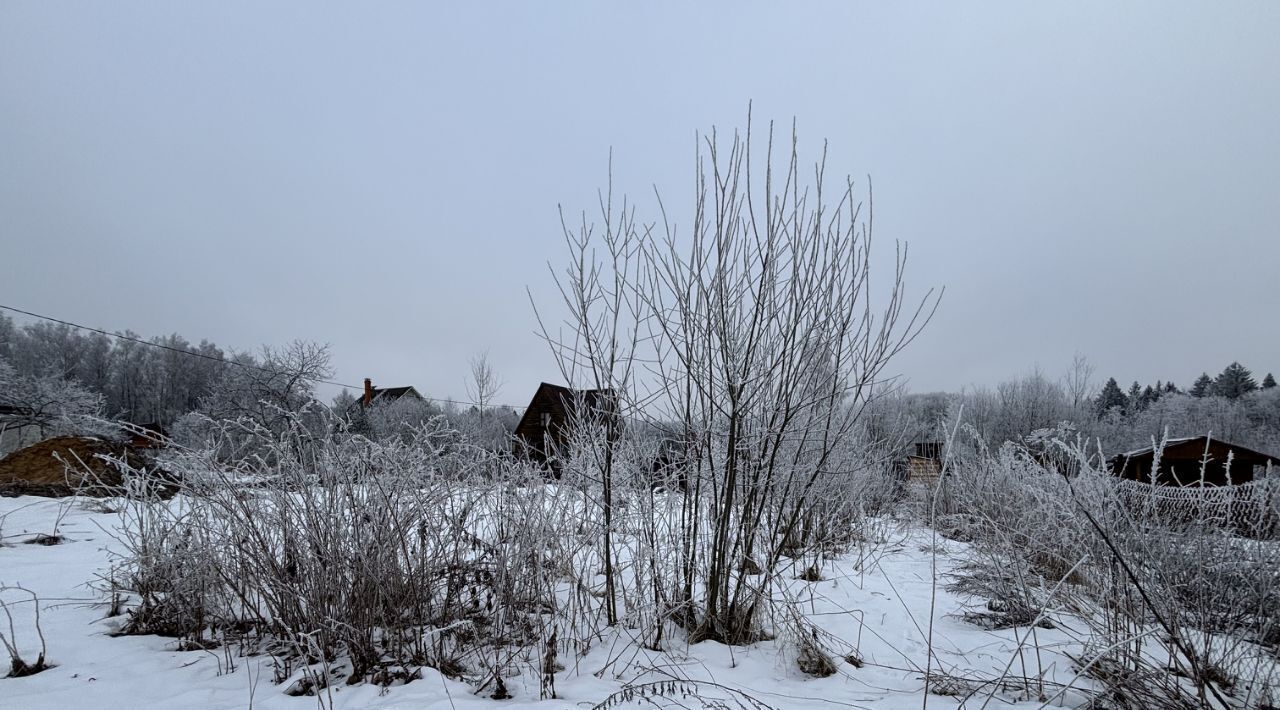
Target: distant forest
[(52, 370)]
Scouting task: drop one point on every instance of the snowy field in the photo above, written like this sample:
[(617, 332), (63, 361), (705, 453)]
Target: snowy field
[(879, 602)]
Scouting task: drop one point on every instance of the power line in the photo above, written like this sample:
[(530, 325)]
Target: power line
[(225, 361)]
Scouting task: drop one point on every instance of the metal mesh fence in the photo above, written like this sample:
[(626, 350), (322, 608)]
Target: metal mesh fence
[(1250, 509)]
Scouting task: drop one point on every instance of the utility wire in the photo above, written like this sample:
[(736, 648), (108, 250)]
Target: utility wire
[(225, 361)]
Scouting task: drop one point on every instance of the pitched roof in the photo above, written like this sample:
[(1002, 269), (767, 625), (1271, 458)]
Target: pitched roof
[(389, 394), (1194, 447), (395, 392), (566, 398), (1151, 449)]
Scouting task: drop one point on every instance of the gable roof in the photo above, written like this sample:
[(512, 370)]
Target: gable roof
[(393, 393), (562, 400), (1194, 447), (388, 394), (1151, 449)]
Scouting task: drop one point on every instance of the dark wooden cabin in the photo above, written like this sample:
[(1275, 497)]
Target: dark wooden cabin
[(1182, 460), (545, 427)]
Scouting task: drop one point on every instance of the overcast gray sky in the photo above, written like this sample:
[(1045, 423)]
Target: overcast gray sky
[(1093, 177)]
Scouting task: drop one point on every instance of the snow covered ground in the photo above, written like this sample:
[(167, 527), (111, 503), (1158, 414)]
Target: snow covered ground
[(877, 604)]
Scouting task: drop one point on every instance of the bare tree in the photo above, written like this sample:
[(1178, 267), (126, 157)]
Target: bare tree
[(484, 384), (1026, 404), (755, 342), (272, 389), (47, 402), (605, 311), (9, 335), (1078, 382)]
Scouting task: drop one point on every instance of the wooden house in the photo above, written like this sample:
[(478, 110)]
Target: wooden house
[(546, 425), (384, 395), (1195, 461)]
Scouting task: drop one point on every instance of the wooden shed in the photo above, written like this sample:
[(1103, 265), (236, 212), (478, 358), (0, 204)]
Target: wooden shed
[(924, 467), (547, 423), (1183, 461)]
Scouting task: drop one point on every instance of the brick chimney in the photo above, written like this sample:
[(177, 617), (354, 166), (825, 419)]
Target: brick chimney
[(368, 393)]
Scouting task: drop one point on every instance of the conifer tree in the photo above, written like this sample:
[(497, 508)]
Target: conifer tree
[(1234, 382), (1110, 397), (1149, 397), (1268, 382), (1203, 386)]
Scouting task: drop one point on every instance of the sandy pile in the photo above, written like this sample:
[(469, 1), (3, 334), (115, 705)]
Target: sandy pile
[(66, 465)]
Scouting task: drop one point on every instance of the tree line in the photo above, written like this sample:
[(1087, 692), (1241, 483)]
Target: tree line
[(1233, 406), (51, 373), (1234, 382), (150, 380)]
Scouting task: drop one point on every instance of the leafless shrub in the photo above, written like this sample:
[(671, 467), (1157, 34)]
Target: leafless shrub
[(950, 686), (1003, 583), (375, 558), (45, 540), (19, 666), (809, 644), (704, 694)]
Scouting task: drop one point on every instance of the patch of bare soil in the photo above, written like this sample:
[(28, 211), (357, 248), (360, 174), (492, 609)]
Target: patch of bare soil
[(67, 465)]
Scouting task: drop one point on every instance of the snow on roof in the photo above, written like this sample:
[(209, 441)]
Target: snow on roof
[(1241, 453), (1167, 443)]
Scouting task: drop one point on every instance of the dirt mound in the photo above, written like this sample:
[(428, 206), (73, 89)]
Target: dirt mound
[(66, 465)]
